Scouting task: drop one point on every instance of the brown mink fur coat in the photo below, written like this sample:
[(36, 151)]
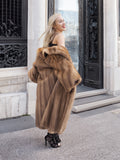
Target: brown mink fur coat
[(56, 79)]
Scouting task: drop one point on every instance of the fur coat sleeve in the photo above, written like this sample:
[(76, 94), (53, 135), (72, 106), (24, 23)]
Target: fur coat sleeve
[(33, 73), (58, 59)]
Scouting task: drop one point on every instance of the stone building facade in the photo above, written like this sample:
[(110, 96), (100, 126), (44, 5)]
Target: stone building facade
[(17, 92)]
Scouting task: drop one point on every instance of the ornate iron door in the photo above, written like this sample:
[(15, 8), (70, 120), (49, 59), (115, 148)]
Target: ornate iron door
[(13, 33), (91, 43)]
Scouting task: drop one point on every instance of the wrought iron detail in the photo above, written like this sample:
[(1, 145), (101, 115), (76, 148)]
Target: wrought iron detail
[(10, 29), (13, 55), (92, 25), (10, 18), (13, 33), (91, 42)]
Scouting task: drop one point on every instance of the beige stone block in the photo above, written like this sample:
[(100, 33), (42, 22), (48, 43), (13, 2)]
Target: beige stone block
[(13, 105), (13, 84), (31, 90)]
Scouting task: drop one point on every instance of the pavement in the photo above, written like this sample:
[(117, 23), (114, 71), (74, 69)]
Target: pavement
[(91, 135)]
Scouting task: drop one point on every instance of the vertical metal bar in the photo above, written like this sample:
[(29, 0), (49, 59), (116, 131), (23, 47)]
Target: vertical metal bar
[(14, 10), (2, 11), (6, 12), (21, 4), (101, 43), (10, 9), (82, 36), (21, 15), (17, 12)]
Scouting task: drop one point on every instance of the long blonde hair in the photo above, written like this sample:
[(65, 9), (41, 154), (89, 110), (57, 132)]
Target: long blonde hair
[(50, 31)]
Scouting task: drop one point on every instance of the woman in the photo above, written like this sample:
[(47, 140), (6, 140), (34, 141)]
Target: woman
[(56, 79), (53, 34)]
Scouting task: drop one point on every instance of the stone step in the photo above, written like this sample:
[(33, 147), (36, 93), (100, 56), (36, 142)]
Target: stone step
[(90, 99), (94, 105), (90, 93)]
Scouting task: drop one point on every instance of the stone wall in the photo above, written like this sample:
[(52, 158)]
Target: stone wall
[(13, 105), (37, 19), (17, 93), (13, 96), (119, 53), (111, 60)]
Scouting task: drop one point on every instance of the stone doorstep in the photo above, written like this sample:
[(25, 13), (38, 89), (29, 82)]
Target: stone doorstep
[(90, 93), (94, 105)]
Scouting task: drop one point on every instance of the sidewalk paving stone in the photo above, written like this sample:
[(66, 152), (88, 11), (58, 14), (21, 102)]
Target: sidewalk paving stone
[(92, 135)]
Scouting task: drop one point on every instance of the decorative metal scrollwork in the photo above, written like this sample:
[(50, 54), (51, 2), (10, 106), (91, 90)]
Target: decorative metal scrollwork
[(10, 29), (13, 55), (10, 18), (92, 7), (13, 33)]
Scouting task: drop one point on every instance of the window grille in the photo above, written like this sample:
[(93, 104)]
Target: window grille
[(13, 33)]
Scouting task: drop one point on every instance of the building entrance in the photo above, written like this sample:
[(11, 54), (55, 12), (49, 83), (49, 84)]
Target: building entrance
[(84, 36)]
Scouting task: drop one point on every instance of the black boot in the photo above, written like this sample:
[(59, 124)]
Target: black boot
[(51, 139), (57, 138)]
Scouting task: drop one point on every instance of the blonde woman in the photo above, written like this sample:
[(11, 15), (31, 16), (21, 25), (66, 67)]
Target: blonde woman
[(54, 36), (54, 31), (56, 79)]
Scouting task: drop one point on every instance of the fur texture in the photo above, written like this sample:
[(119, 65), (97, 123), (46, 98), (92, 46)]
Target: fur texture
[(56, 79)]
